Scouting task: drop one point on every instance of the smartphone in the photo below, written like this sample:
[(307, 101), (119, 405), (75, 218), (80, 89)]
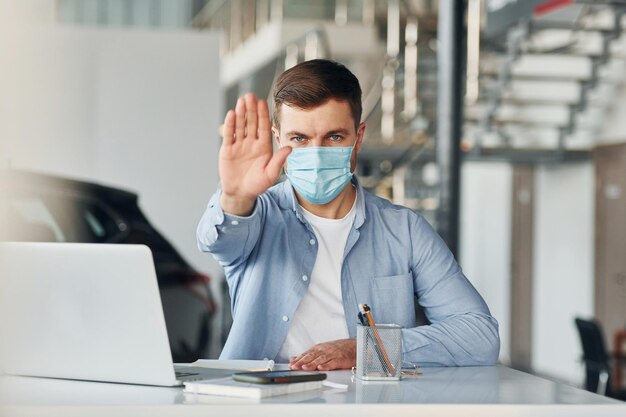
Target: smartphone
[(278, 377)]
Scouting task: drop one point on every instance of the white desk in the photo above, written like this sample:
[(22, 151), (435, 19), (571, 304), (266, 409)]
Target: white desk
[(483, 391)]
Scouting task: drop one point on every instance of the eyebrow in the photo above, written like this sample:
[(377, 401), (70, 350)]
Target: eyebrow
[(329, 133), (296, 133), (342, 131)]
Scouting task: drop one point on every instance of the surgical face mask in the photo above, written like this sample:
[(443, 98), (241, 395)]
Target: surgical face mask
[(319, 173)]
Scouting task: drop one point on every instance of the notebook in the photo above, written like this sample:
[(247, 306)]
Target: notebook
[(228, 387), (235, 364)]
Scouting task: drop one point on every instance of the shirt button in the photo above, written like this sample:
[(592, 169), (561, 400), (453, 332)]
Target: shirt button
[(305, 278), (312, 242), (285, 318), (234, 222)]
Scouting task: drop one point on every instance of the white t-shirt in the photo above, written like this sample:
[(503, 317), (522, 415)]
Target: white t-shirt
[(320, 316)]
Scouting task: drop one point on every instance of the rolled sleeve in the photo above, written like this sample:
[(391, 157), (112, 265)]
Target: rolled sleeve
[(462, 330), (229, 238), (469, 339)]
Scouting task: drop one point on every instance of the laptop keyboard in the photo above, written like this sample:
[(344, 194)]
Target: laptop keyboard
[(184, 374), (190, 373)]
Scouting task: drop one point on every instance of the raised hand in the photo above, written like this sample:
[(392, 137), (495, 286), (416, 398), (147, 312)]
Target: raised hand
[(247, 164)]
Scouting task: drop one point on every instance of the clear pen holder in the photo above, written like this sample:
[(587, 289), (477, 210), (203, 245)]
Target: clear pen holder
[(379, 352)]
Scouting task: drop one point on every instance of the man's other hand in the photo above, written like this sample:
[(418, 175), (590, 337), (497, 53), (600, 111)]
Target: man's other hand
[(337, 354)]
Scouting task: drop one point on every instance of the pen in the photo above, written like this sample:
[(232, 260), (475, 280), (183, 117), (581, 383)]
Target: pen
[(381, 360), (365, 314)]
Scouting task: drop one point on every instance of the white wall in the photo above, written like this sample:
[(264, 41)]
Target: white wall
[(135, 109), (158, 106), (485, 249), (563, 271), (563, 251)]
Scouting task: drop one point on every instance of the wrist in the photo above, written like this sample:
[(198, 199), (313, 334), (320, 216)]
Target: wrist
[(237, 205)]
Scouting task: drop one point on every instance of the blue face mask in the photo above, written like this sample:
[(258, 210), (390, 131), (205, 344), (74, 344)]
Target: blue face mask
[(319, 173)]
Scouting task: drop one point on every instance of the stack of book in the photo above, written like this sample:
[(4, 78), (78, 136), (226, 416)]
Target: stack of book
[(230, 388)]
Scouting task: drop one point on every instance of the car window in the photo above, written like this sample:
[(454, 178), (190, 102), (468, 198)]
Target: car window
[(100, 225), (83, 219), (30, 219), (60, 218), (94, 224)]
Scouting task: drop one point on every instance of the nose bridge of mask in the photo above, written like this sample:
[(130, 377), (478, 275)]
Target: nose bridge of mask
[(323, 157)]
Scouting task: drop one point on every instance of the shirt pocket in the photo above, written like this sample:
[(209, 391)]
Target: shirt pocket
[(393, 300), (393, 282)]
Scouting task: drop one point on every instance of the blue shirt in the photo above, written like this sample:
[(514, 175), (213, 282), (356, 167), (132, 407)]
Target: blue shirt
[(391, 254)]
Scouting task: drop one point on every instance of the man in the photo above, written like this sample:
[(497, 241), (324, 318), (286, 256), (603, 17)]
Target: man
[(301, 255)]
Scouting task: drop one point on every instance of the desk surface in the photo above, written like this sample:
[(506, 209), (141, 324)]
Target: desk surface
[(437, 389)]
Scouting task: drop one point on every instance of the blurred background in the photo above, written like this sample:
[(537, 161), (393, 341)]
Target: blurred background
[(501, 121)]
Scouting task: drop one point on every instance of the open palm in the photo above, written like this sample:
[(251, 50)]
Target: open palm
[(247, 164)]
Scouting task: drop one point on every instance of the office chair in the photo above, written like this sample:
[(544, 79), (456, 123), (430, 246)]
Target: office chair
[(597, 360)]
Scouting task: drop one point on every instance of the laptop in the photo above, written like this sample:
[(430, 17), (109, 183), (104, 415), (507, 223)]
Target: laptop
[(87, 312)]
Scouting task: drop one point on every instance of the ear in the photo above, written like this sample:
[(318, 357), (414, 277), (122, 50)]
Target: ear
[(276, 135), (359, 136)]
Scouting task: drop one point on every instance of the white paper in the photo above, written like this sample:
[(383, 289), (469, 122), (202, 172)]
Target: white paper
[(235, 364)]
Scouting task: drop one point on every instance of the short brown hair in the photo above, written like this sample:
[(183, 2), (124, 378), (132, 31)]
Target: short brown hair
[(313, 83)]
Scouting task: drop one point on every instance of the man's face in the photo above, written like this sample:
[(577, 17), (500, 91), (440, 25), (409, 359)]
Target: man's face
[(330, 124)]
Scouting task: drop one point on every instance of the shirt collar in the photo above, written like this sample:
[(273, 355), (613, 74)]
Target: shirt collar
[(290, 201)]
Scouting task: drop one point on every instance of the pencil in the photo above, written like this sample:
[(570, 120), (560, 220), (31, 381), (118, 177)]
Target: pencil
[(370, 336), (368, 316)]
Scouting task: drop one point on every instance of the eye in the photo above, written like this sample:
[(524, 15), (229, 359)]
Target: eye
[(298, 139), (336, 138)]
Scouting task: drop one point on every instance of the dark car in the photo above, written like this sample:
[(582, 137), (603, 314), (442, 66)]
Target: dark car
[(45, 208)]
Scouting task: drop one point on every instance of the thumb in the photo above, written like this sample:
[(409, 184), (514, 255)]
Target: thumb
[(276, 163)]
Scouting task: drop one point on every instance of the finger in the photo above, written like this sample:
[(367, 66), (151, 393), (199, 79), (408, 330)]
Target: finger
[(304, 359), (293, 360), (309, 367), (272, 170), (240, 120), (265, 125), (251, 116), (306, 367), (312, 358), (228, 128), (320, 357), (331, 365)]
